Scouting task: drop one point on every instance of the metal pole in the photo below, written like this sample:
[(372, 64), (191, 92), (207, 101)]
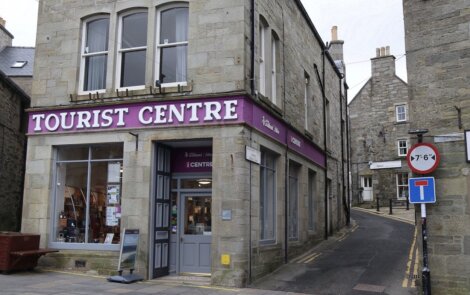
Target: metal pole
[(407, 203), (378, 205), (391, 212), (426, 271)]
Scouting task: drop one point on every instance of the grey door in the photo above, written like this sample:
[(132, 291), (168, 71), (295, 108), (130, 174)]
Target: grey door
[(195, 233)]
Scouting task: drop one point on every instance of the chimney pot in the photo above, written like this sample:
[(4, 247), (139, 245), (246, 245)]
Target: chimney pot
[(334, 33), (377, 52), (382, 51), (2, 21), (387, 50)]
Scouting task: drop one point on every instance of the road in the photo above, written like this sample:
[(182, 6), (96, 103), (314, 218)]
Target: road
[(375, 257)]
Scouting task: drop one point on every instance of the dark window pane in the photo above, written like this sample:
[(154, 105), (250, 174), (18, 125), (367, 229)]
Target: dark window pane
[(174, 25), (106, 151), (97, 35), (173, 64), (73, 153), (133, 68), (134, 30), (95, 72)]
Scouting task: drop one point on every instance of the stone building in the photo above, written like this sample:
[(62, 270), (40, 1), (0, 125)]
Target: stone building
[(438, 63), (212, 127), (14, 99), (379, 124)]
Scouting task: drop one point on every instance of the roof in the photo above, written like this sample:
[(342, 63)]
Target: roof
[(12, 54), (6, 31)]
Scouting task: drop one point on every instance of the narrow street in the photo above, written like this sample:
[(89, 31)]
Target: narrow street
[(377, 256)]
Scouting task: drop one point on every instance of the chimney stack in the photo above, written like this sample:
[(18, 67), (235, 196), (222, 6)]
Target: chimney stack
[(2, 21), (383, 64), (336, 49), (334, 33), (6, 38)]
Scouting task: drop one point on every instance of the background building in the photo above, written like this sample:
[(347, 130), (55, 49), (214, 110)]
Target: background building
[(16, 64), (438, 62), (216, 128), (379, 124)]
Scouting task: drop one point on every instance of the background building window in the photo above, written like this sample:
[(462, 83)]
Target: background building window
[(400, 113), (267, 197), (88, 194), (293, 204), (172, 45), (402, 147), (402, 185), (94, 54), (132, 49)]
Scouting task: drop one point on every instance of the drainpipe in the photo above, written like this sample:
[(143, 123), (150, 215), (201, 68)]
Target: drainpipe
[(252, 47), (321, 81), (348, 155), (346, 204)]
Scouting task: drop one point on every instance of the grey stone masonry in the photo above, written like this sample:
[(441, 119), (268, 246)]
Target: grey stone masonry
[(438, 63), (375, 130)]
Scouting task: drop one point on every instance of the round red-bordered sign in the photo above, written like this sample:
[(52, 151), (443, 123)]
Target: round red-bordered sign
[(423, 158)]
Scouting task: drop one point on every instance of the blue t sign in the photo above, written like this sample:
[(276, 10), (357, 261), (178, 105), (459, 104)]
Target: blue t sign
[(422, 190)]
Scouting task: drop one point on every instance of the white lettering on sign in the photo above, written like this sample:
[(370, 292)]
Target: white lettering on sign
[(296, 142), (198, 164), (423, 158), (146, 115), (268, 125)]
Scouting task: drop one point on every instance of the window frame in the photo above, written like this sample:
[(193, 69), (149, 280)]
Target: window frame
[(403, 185), (120, 50), (306, 98), (399, 141), (158, 46), (398, 113), (263, 177), (83, 55), (52, 243), (274, 61), (263, 32)]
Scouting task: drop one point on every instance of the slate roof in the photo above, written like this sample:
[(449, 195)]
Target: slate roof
[(11, 54)]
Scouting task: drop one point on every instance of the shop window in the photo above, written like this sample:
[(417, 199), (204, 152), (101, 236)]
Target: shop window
[(94, 54), (293, 204), (132, 49), (402, 147), (88, 195), (311, 200), (268, 197), (402, 185), (172, 45), (400, 111)]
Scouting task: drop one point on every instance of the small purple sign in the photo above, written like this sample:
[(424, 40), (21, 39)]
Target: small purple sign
[(187, 160)]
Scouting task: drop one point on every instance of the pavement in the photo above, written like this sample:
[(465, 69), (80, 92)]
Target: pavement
[(398, 213), (42, 281)]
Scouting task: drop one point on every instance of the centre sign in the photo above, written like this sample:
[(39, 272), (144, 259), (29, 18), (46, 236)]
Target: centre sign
[(423, 158)]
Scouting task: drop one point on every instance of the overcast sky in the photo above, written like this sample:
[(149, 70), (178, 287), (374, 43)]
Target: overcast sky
[(364, 25)]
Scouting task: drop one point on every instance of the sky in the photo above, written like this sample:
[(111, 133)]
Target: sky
[(364, 25)]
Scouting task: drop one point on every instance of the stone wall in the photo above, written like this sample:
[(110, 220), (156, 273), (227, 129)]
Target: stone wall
[(5, 37), (438, 46), (12, 155)]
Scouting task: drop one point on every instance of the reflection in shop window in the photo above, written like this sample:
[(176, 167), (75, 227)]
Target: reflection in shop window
[(88, 194)]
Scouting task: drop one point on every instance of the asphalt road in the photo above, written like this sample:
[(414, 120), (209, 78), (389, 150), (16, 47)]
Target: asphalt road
[(371, 258)]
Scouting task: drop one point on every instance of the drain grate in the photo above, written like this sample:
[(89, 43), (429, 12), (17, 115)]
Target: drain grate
[(369, 288)]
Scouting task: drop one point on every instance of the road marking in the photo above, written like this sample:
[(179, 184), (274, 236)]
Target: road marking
[(415, 272), (301, 257), (313, 258), (404, 284), (304, 259)]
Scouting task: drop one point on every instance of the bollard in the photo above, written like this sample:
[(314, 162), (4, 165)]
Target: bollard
[(390, 211), (378, 205), (407, 204)]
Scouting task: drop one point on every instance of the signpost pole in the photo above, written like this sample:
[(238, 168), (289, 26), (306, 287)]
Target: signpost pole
[(426, 273)]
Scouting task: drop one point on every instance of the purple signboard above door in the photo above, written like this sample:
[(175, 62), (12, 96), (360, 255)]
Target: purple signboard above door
[(191, 160)]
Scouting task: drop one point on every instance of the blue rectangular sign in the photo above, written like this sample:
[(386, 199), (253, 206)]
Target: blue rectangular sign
[(422, 190)]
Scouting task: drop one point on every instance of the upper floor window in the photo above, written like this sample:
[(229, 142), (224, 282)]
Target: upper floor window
[(402, 147), (132, 49), (263, 36), (400, 111), (94, 54), (306, 97), (172, 45), (274, 61)]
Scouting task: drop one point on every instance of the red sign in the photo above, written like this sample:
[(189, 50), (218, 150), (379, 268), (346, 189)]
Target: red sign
[(423, 158)]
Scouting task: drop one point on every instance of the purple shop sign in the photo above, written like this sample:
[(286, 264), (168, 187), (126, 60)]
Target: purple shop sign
[(195, 159), (138, 115)]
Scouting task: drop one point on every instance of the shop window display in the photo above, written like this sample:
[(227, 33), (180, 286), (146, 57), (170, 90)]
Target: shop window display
[(88, 194)]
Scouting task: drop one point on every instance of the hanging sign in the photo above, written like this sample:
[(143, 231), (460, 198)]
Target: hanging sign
[(423, 158)]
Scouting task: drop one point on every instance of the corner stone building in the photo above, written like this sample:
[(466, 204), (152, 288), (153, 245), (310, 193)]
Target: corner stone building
[(379, 124), (438, 62), (199, 123)]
